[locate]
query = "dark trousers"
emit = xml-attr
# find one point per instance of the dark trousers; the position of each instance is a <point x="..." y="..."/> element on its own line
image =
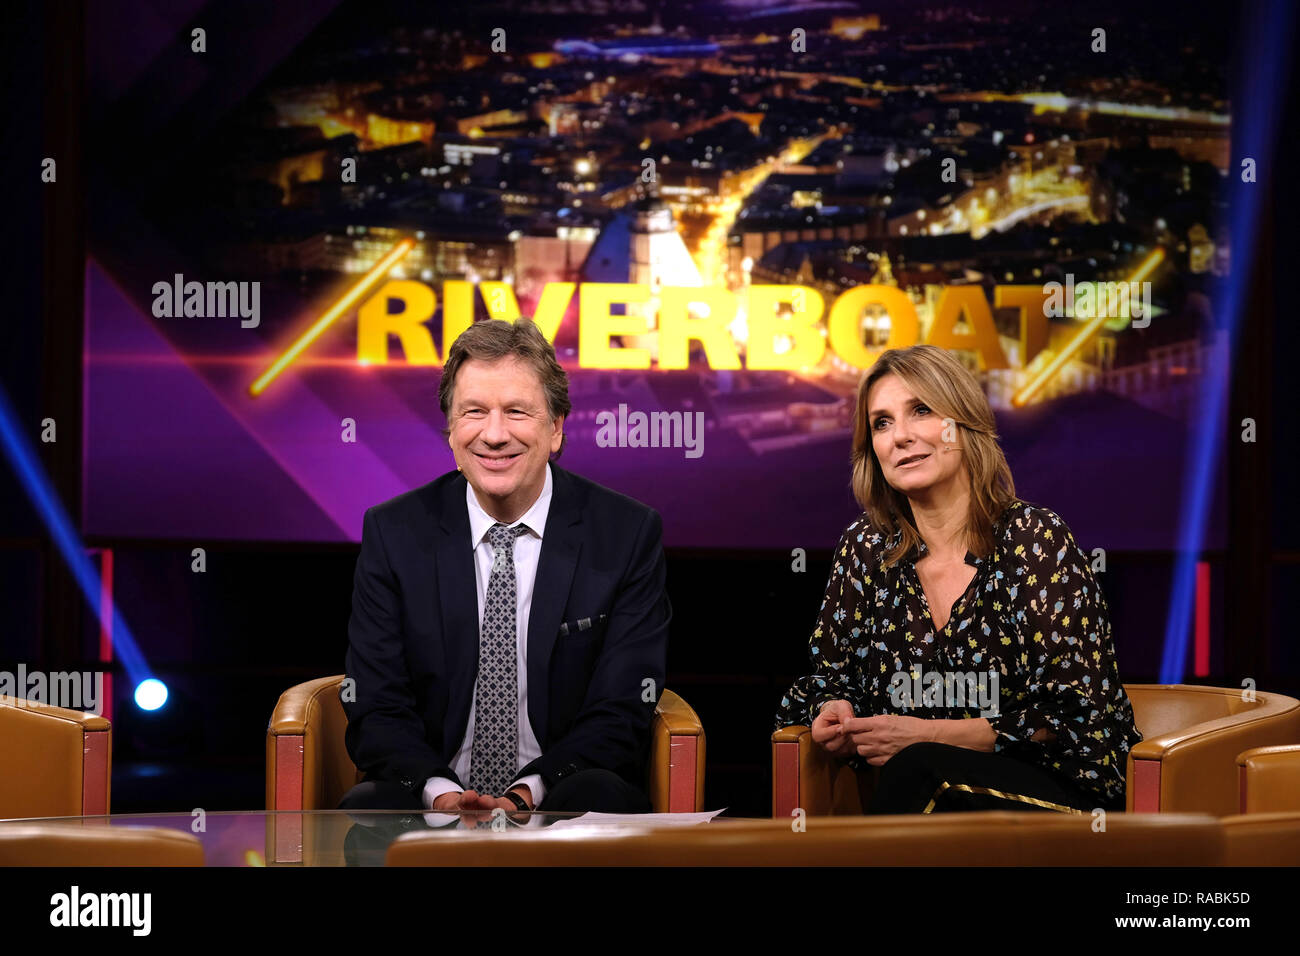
<point x="586" y="790"/>
<point x="937" y="778"/>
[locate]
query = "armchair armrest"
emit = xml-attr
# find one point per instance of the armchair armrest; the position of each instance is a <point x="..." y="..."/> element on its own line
<point x="805" y="777"/>
<point x="57" y="844"/>
<point x="676" y="757"/>
<point x="307" y="764"/>
<point x="299" y="705"/>
<point x="1270" y="779"/>
<point x="53" y="761"/>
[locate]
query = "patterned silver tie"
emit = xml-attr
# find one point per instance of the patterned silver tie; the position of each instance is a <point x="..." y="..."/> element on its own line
<point x="495" y="754"/>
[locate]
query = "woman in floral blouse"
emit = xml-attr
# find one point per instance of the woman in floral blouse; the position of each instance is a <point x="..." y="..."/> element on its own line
<point x="963" y="646"/>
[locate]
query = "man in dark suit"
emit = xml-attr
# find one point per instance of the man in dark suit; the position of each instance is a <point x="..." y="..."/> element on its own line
<point x="509" y="620"/>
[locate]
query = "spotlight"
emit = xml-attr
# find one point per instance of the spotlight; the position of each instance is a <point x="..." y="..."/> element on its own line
<point x="150" y="694"/>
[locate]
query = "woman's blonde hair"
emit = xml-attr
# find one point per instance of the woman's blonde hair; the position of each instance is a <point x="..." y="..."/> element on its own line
<point x="945" y="385"/>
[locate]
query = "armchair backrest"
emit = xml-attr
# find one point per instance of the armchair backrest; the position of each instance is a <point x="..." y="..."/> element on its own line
<point x="1165" y="708"/>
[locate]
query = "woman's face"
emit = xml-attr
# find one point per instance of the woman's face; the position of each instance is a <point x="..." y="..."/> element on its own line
<point x="909" y="441"/>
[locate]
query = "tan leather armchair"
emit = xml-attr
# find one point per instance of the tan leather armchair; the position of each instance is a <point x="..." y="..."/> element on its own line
<point x="53" y="762"/>
<point x="1191" y="737"/>
<point x="1185" y="762"/>
<point x="96" y="844"/>
<point x="308" y="767"/>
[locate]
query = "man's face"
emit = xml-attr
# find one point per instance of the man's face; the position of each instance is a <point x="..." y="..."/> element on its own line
<point x="502" y="434"/>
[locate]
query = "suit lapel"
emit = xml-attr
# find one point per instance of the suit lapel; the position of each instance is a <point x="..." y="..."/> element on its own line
<point x="561" y="543"/>
<point x="458" y="597"/>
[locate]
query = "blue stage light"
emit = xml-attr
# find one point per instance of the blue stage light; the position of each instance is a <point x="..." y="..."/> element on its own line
<point x="150" y="694"/>
<point x="17" y="449"/>
<point x="1255" y="108"/>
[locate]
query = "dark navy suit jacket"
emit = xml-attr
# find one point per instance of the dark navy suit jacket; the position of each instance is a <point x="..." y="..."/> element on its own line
<point x="597" y="634"/>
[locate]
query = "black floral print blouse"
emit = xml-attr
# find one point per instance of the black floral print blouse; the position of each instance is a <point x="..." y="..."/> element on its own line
<point x="1033" y="612"/>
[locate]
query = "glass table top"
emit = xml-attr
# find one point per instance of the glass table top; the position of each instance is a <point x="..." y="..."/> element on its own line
<point x="341" y="837"/>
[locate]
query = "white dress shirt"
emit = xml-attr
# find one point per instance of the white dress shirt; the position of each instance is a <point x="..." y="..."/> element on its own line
<point x="528" y="551"/>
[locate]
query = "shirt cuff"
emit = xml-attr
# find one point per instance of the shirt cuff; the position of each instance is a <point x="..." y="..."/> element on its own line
<point x="435" y="787"/>
<point x="536" y="788"/>
<point x="1015" y="730"/>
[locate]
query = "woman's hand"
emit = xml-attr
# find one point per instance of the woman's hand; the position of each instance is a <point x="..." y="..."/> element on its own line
<point x="879" y="738"/>
<point x="828" y="729"/>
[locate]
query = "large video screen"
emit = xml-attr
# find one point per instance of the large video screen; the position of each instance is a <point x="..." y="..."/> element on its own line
<point x="720" y="212"/>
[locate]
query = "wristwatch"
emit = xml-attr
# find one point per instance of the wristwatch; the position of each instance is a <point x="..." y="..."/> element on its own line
<point x="518" y="801"/>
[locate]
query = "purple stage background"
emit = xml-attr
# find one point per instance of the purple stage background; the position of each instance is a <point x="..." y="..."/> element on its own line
<point x="213" y="182"/>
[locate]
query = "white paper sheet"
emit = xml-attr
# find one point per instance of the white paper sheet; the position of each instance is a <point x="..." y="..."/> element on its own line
<point x="638" y="819"/>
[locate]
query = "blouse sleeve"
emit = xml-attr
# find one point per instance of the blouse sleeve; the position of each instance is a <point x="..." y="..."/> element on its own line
<point x="835" y="640"/>
<point x="1063" y="628"/>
